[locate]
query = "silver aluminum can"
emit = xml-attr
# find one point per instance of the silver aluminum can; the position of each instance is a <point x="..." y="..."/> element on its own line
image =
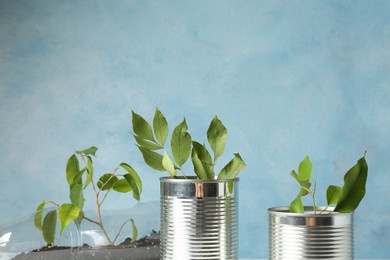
<point x="199" y="219"/>
<point x="309" y="235"/>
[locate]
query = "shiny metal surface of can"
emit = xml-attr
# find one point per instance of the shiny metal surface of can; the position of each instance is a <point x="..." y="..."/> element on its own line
<point x="199" y="219"/>
<point x="310" y="236"/>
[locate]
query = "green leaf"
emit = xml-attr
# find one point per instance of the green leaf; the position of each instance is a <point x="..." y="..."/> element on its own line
<point x="91" y="150"/>
<point x="354" y="187"/>
<point x="134" y="187"/>
<point x="134" y="175"/>
<point x="181" y="143"/>
<point x="106" y="181"/>
<point x="230" y="186"/>
<point x="135" y="231"/>
<point x="202" y="153"/>
<point x="88" y="180"/>
<point x="77" y="195"/>
<point x="296" y="205"/>
<point x="72" y="169"/>
<point x="305" y="169"/>
<point x="168" y="164"/>
<point x="160" y="127"/>
<point x="305" y="185"/>
<point x="78" y="178"/>
<point x="199" y="167"/>
<point x="295" y="175"/>
<point x="202" y="162"/>
<point x="216" y="136"/>
<point x="122" y="186"/>
<point x="67" y="213"/>
<point x="332" y="194"/>
<point x="38" y="215"/>
<point x="147" y="144"/>
<point x="153" y="159"/>
<point x="141" y="127"/>
<point x="231" y="170"/>
<point x="79" y="219"/>
<point x="49" y="227"/>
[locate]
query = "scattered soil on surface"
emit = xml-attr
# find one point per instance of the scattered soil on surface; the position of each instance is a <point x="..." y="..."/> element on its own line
<point x="145" y="248"/>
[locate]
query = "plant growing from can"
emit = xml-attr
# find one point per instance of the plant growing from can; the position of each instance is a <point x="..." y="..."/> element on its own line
<point x="346" y="198"/>
<point x="151" y="141"/>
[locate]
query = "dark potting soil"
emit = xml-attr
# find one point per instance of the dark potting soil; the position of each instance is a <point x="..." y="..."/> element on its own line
<point x="146" y="248"/>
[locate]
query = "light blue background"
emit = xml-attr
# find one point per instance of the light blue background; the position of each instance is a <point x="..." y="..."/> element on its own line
<point x="287" y="78"/>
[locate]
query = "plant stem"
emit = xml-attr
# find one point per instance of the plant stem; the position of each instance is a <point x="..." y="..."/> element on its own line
<point x="90" y="220"/>
<point x="313" y="197"/>
<point x="185" y="177"/>
<point x="104" y="198"/>
<point x="120" y="229"/>
<point x="113" y="174"/>
<point x="98" y="205"/>
<point x="100" y="222"/>
<point x="55" y="204"/>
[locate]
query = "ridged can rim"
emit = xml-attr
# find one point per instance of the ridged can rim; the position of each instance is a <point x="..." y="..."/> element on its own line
<point x="194" y="179"/>
<point x="283" y="216"/>
<point x="285" y="211"/>
<point x="195" y="188"/>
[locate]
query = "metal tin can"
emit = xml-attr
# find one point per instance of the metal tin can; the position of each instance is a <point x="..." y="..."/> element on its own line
<point x="328" y="235"/>
<point x="199" y="219"/>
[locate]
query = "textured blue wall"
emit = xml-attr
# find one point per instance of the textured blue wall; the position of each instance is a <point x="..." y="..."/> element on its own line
<point x="287" y="78"/>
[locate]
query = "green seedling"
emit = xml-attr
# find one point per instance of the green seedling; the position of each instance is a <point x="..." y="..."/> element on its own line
<point x="152" y="138"/>
<point x="78" y="180"/>
<point x="345" y="198"/>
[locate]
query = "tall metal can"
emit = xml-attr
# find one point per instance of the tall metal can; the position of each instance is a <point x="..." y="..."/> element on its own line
<point x="199" y="219"/>
<point x="328" y="235"/>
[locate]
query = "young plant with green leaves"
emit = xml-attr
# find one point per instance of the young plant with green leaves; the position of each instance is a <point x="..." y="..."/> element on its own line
<point x="152" y="138"/>
<point x="123" y="179"/>
<point x="345" y="198"/>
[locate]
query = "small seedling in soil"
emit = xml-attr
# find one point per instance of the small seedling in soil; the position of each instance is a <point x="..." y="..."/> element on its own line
<point x="151" y="142"/>
<point x="345" y="198"/>
<point x="79" y="180"/>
